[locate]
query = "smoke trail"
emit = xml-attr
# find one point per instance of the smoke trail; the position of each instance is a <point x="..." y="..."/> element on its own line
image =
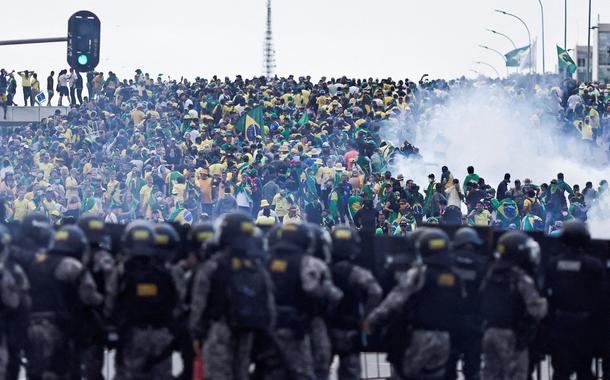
<point x="498" y="130"/>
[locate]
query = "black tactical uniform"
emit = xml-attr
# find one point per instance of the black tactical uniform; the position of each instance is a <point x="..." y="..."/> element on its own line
<point x="574" y="287"/>
<point x="361" y="293"/>
<point x="428" y="294"/>
<point x="510" y="307"/>
<point x="34" y="236"/>
<point x="321" y="350"/>
<point x="169" y="246"/>
<point x="470" y="265"/>
<point x="101" y="265"/>
<point x="144" y="299"/>
<point x="60" y="289"/>
<point x="232" y="300"/>
<point x="300" y="282"/>
<point x="11" y="294"/>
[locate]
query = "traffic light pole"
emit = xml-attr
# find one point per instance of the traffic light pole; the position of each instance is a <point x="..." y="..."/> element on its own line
<point x="33" y="41"/>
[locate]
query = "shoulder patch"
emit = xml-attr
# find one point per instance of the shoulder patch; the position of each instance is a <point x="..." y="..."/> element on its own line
<point x="446" y="280"/>
<point x="279" y="266"/>
<point x="568" y="266"/>
<point x="146" y="290"/>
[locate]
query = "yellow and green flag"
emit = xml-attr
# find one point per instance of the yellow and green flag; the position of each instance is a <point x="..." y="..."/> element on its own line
<point x="251" y="124"/>
<point x="565" y="61"/>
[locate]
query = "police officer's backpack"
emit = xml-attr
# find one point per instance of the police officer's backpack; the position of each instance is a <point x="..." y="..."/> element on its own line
<point x="247" y="295"/>
<point x="147" y="294"/>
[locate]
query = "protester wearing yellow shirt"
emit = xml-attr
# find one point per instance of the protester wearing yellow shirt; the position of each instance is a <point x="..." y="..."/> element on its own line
<point x="72" y="185"/>
<point x="179" y="190"/>
<point x="138" y="116"/>
<point x="146" y="191"/>
<point x="22" y="206"/>
<point x="281" y="204"/>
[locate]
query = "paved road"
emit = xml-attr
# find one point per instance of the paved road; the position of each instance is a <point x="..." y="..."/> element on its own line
<point x="374" y="367"/>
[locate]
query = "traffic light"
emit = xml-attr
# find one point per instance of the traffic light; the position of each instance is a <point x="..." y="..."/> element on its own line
<point x="83" y="41"/>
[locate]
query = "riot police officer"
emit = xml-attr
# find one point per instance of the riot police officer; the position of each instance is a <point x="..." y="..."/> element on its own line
<point x="321" y="350"/>
<point x="429" y="293"/>
<point x="232" y="300"/>
<point x="60" y="288"/>
<point x="470" y="264"/>
<point x="11" y="294"/>
<point x="298" y="279"/>
<point x="144" y="299"/>
<point x="574" y="289"/>
<point x="169" y="246"/>
<point x="361" y="292"/>
<point x="101" y="265"/>
<point x="510" y="308"/>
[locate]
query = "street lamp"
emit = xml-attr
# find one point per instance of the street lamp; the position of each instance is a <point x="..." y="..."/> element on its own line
<point x="529" y="36"/>
<point x="503" y="35"/>
<point x="500" y="54"/>
<point x="488" y="65"/>
<point x="542" y="15"/>
<point x="589" y="45"/>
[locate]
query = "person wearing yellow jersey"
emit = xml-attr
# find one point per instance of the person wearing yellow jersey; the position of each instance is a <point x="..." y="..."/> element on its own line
<point x="281" y="204"/>
<point x="179" y="190"/>
<point x="585" y="129"/>
<point x="35" y="88"/>
<point x="45" y="165"/>
<point x="26" y="83"/>
<point x="205" y="190"/>
<point x="49" y="204"/>
<point x="138" y="116"/>
<point x="145" y="193"/>
<point x="72" y="189"/>
<point x="293" y="216"/>
<point x="113" y="192"/>
<point x="22" y="206"/>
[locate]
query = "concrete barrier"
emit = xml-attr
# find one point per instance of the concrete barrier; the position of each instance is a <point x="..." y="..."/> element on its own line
<point x="31" y="114"/>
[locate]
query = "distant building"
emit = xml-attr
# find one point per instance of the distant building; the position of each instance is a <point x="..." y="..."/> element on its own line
<point x="601" y="53"/>
<point x="581" y="62"/>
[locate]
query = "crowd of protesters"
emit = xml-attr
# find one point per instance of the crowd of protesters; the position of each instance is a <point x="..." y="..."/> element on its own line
<point x="168" y="150"/>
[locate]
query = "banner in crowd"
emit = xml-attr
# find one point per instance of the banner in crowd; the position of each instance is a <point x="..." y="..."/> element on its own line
<point x="250" y="124"/>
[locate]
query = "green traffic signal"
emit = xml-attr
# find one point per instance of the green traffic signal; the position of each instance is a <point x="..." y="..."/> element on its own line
<point x="82" y="59"/>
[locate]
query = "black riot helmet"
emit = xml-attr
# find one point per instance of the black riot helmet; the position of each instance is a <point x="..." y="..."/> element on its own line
<point x="70" y="240"/>
<point x="575" y="234"/>
<point x="198" y="235"/>
<point x="293" y="237"/>
<point x="235" y="231"/>
<point x="139" y="239"/>
<point x="322" y="243"/>
<point x="465" y="237"/>
<point x="346" y="243"/>
<point x="519" y="249"/>
<point x="432" y="241"/>
<point x="95" y="231"/>
<point x="167" y="240"/>
<point x="35" y="231"/>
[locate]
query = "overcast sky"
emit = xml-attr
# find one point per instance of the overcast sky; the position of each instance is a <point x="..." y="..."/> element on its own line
<point x="378" y="38"/>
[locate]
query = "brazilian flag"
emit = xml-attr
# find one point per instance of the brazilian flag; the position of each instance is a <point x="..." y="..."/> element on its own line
<point x="565" y="61"/>
<point x="251" y="124"/>
<point x="514" y="58"/>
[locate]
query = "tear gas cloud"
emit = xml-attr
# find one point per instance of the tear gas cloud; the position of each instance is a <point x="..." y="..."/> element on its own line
<point x="497" y="130"/>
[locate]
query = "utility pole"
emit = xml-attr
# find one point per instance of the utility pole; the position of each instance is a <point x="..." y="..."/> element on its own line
<point x="268" y="51"/>
<point x="589" y="45"/>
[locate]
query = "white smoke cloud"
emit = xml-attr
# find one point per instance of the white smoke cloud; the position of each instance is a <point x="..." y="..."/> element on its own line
<point x="498" y="130"/>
